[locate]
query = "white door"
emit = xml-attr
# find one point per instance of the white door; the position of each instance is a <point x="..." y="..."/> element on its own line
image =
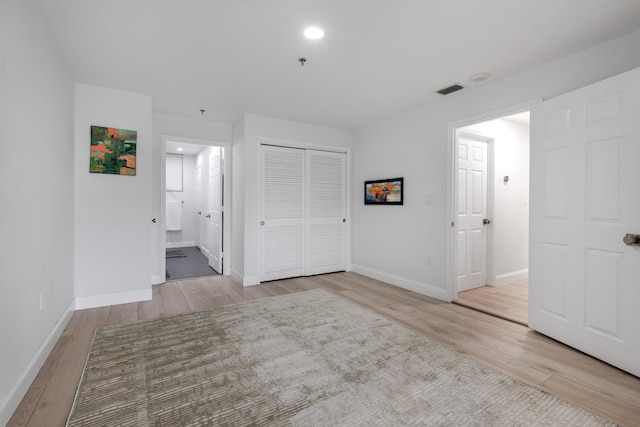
<point x="214" y="216"/>
<point x="282" y="213"/>
<point x="199" y="205"/>
<point x="472" y="211"/>
<point x="326" y="213"/>
<point x="584" y="285"/>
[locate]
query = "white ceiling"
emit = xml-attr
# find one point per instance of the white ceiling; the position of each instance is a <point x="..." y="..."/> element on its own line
<point x="378" y="58"/>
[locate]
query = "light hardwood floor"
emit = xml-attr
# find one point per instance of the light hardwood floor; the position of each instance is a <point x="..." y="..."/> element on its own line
<point x="507" y="346"/>
<point x="509" y="301"/>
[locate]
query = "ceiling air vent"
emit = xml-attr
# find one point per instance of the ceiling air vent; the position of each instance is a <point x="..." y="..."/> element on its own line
<point x="450" y="89"/>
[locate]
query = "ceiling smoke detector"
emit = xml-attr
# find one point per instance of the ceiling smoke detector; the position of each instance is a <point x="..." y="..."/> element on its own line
<point x="480" y="77"/>
<point x="447" y="90"/>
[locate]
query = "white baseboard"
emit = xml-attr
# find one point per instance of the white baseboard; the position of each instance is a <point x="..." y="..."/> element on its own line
<point x="250" y="281"/>
<point x="411" y="285"/>
<point x="188" y="244"/>
<point x="514" y="276"/>
<point x="236" y="276"/>
<point x="244" y="280"/>
<point x="94" y="301"/>
<point x="17" y="391"/>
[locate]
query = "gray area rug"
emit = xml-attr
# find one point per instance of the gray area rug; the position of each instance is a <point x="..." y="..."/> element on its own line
<point x="307" y="359"/>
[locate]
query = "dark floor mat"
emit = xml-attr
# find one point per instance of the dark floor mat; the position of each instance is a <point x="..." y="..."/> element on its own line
<point x="192" y="264"/>
<point x="175" y="253"/>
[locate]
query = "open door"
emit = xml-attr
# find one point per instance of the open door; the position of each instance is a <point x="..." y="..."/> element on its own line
<point x="585" y="170"/>
<point x="472" y="152"/>
<point x="214" y="216"/>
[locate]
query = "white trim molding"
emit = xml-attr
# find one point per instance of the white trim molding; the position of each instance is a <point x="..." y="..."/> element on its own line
<point x="244" y="280"/>
<point x="171" y="245"/>
<point x="18" y="390"/>
<point x="411" y="285"/>
<point x="93" y="301"/>
<point x="514" y="276"/>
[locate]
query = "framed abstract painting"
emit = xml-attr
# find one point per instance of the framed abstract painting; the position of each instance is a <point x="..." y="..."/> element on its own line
<point x="113" y="151"/>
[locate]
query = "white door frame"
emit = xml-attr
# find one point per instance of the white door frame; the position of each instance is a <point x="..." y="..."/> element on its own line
<point x="226" y="225"/>
<point x="451" y="290"/>
<point x="216" y="247"/>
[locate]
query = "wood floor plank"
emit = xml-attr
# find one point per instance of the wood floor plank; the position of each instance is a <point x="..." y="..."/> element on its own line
<point x="210" y="284"/>
<point x="130" y="312"/>
<point x="274" y="289"/>
<point x="71" y="326"/>
<point x="173" y="299"/>
<point x="257" y="292"/>
<point x="235" y="292"/>
<point x="509" y="301"/>
<point x="57" y="397"/>
<point x="153" y="308"/>
<point x="195" y="295"/>
<point x="607" y="406"/>
<point x="28" y="405"/>
<point x="509" y="347"/>
<point x="116" y="315"/>
<point x="582" y="369"/>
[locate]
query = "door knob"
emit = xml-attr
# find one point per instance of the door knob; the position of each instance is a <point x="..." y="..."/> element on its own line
<point x="208" y="215"/>
<point x="154" y="220"/>
<point x="631" y="239"/>
<point x="261" y="222"/>
<point x="486" y="221"/>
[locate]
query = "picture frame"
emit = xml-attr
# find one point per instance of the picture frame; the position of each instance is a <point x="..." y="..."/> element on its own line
<point x="384" y="192"/>
<point x="113" y="151"/>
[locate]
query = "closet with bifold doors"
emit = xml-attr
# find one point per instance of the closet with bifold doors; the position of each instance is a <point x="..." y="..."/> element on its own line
<point x="302" y="212"/>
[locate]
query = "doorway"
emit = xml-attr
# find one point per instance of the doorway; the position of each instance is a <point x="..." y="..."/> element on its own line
<point x="194" y="235"/>
<point x="492" y="221"/>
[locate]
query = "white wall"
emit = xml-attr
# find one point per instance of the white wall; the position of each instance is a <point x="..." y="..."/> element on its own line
<point x="36" y="186"/>
<point x="256" y="127"/>
<point x="187" y="128"/>
<point x="414" y="145"/>
<point x="508" y="245"/>
<point x="112" y="212"/>
<point x="185" y="236"/>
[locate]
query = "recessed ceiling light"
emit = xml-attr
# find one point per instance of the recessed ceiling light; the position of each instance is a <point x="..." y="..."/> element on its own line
<point x="314" y="33"/>
<point x="480" y="77"/>
<point x="179" y="148"/>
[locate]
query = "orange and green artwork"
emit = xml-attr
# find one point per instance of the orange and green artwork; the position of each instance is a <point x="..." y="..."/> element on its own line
<point x="384" y="192"/>
<point x="113" y="151"/>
